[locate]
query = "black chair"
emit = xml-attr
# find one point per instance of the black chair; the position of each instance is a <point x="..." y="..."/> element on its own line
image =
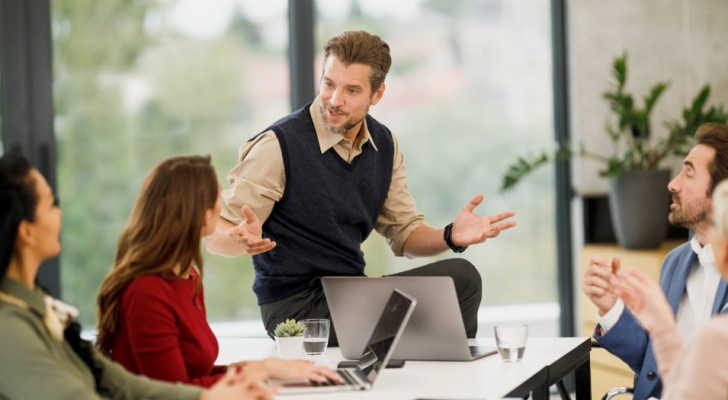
<point x="615" y="391"/>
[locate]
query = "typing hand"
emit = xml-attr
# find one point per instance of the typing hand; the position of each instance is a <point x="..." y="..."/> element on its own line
<point x="235" y="385"/>
<point x="277" y="368"/>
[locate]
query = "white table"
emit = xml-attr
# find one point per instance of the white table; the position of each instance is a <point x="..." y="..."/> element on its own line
<point x="546" y="361"/>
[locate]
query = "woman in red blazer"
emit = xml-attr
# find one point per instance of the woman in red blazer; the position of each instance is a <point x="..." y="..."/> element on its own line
<point x="151" y="306"/>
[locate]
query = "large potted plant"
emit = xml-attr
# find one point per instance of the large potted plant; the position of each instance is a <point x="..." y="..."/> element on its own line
<point x="638" y="196"/>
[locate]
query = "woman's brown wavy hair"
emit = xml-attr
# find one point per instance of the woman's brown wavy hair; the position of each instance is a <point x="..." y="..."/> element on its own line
<point x="164" y="230"/>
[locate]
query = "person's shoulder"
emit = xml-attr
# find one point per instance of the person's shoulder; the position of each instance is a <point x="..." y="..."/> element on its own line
<point x="373" y="122"/>
<point x="679" y="252"/>
<point x="681" y="249"/>
<point x="145" y="287"/>
<point x="147" y="280"/>
<point x="13" y="312"/>
<point x="380" y="133"/>
<point x="18" y="326"/>
<point x="302" y="115"/>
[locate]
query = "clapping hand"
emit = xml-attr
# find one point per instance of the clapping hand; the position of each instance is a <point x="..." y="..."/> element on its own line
<point x="644" y="298"/>
<point x="596" y="283"/>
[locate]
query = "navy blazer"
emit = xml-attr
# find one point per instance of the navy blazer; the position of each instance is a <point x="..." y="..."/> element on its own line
<point x="631" y="343"/>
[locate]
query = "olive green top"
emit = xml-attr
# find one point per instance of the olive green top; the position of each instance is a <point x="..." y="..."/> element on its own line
<point x="34" y="365"/>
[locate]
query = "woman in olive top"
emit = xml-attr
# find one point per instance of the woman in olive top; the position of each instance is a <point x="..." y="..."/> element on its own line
<point x="41" y="353"/>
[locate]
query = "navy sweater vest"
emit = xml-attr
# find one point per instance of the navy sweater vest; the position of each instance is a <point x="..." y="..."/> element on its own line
<point x="328" y="208"/>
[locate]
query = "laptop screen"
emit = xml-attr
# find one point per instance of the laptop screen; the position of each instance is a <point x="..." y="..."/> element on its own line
<point x="388" y="329"/>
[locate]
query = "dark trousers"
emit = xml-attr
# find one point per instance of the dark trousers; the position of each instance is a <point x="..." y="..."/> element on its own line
<point x="311" y="303"/>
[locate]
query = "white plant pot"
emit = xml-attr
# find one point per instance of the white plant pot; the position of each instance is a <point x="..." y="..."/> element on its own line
<point x="289" y="347"/>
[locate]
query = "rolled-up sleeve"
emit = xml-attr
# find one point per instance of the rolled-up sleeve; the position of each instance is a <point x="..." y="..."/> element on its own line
<point x="399" y="216"/>
<point x="258" y="179"/>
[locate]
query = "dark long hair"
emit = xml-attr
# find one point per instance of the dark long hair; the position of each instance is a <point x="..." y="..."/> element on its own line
<point x="18" y="200"/>
<point x="164" y="230"/>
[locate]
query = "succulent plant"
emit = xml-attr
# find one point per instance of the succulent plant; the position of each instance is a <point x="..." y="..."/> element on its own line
<point x="289" y="328"/>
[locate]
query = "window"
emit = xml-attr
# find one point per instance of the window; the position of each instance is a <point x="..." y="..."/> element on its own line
<point x="138" y="82"/>
<point x="470" y="86"/>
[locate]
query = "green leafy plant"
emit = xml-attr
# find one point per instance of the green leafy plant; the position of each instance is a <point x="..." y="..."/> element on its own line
<point x="629" y="130"/>
<point x="289" y="328"/>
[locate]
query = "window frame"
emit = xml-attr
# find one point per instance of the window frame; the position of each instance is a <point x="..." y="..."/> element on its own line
<point x="27" y="98"/>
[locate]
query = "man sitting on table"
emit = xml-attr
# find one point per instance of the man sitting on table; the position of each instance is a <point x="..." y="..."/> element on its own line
<point x="308" y="190"/>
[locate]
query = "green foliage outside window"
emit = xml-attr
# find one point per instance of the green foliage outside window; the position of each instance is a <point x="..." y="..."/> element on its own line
<point x="131" y="89"/>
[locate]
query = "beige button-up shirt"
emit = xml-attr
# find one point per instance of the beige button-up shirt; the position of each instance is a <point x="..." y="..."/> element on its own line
<point x="258" y="180"/>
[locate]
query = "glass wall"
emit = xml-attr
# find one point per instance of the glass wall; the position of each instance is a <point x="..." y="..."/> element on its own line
<point x="469" y="89"/>
<point x="136" y="82"/>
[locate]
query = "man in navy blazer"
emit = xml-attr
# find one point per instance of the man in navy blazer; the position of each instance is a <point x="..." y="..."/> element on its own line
<point x="689" y="279"/>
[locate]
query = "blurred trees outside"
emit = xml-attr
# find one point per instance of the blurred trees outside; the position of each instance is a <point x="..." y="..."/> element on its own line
<point x="132" y="88"/>
<point x="470" y="83"/>
<point x="126" y="98"/>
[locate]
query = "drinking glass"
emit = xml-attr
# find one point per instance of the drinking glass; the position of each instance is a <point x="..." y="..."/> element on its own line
<point x="511" y="340"/>
<point x="315" y="336"/>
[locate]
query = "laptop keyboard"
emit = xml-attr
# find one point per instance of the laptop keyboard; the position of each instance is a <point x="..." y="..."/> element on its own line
<point x="344" y="374"/>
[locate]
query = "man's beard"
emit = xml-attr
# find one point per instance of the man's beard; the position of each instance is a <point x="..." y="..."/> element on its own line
<point x="687" y="218"/>
<point x="339" y="131"/>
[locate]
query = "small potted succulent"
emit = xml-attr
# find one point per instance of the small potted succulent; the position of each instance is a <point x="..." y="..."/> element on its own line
<point x="289" y="338"/>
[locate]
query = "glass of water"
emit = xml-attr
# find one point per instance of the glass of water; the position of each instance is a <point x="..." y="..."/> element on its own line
<point x="315" y="336"/>
<point x="511" y="340"/>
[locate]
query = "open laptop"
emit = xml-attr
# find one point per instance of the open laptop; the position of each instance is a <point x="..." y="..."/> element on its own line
<point x="435" y="332"/>
<point x="385" y="334"/>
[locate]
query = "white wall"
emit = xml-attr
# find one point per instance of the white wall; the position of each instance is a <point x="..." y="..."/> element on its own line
<point x="683" y="41"/>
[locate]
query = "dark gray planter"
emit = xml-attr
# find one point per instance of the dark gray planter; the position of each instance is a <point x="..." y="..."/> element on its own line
<point x="639" y="203"/>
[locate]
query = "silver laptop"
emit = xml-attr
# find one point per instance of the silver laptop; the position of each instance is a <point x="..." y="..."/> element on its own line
<point x="435" y="332"/>
<point x="385" y="334"/>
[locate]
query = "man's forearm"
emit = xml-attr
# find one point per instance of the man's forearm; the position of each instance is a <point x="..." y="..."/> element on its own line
<point x="425" y="241"/>
<point x="221" y="243"/>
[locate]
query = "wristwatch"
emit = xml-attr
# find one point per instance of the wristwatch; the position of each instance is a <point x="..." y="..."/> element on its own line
<point x="448" y="240"/>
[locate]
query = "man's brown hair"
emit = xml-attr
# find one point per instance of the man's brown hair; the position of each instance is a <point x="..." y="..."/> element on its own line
<point x="360" y="47"/>
<point x="715" y="135"/>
